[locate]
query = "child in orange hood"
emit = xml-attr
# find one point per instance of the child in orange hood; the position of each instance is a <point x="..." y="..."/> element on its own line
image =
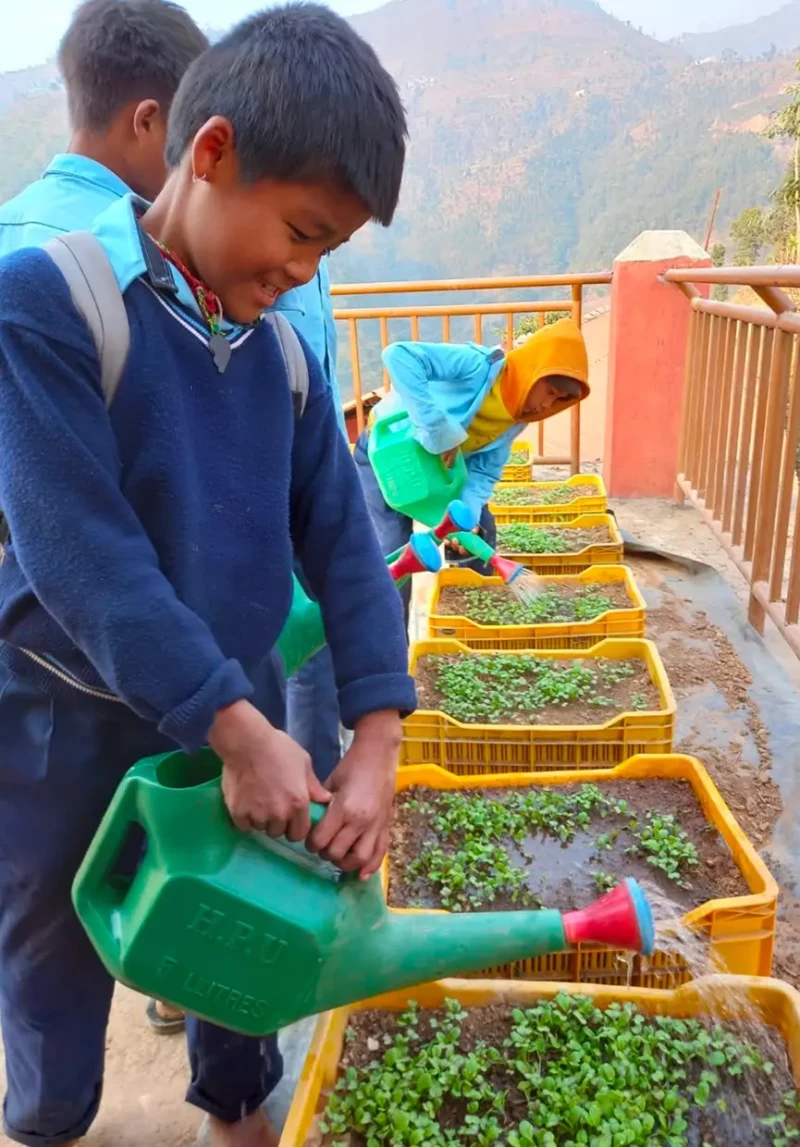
<point x="478" y="400"/>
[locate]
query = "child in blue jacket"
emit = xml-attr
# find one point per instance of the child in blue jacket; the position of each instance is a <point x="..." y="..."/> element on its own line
<point x="461" y="396"/>
<point x="149" y="570"/>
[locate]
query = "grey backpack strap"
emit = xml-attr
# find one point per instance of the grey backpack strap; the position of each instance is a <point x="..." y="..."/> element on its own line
<point x="295" y="356"/>
<point x="95" y="292"/>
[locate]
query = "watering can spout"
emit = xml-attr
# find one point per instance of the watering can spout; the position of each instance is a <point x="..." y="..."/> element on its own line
<point x="429" y="947"/>
<point x="506" y="569"/>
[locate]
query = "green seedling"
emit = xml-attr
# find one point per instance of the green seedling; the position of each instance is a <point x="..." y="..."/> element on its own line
<point x="503" y="607"/>
<point x="500" y="687"/>
<point x="566" y="1074"/>
<point x="478" y="852"/>
<point x="560" y="495"/>
<point x="520" y="538"/>
<point x="667" y="847"/>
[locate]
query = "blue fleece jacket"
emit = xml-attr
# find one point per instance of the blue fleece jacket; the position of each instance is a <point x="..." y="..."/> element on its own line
<point x="151" y="553"/>
<point x="441" y="387"/>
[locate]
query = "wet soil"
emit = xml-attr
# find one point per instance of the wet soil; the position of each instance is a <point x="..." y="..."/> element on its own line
<point x="636" y="692"/>
<point x="457" y="601"/>
<point x="560" y="875"/>
<point x="747" y="1100"/>
<point x="577" y="540"/>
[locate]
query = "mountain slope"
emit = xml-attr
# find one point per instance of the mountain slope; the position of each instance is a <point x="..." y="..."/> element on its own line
<point x="778" y="31"/>
<point x="548" y="133"/>
<point x="545" y="134"/>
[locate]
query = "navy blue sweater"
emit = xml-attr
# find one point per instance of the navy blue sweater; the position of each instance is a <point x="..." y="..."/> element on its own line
<point x="152" y="544"/>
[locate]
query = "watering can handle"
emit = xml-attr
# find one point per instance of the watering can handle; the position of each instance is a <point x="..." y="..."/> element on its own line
<point x="95" y="897"/>
<point x="316" y="812"/>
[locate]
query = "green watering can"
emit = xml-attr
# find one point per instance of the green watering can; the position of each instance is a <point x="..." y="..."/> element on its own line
<point x="253" y="933"/>
<point x="412" y="481"/>
<point x="303" y="634"/>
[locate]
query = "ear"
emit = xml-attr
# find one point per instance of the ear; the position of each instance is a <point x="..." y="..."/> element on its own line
<point x="214" y="150"/>
<point x="146" y="118"/>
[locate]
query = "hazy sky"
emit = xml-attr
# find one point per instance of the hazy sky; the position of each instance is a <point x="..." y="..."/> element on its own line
<point x="31" y="28"/>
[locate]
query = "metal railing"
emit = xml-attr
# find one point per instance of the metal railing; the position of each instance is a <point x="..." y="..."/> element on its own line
<point x="447" y="316"/>
<point x="740" y="433"/>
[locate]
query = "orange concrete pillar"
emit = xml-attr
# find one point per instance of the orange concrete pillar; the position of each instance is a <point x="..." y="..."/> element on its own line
<point x="647" y="351"/>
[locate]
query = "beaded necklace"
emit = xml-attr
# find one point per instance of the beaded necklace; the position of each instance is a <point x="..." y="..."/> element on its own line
<point x="210" y="308"/>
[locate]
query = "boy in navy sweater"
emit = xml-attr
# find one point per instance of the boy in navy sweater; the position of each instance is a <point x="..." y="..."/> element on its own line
<point x="149" y="570"/>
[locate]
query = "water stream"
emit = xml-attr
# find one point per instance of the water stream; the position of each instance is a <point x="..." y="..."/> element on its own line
<point x="527" y="586"/>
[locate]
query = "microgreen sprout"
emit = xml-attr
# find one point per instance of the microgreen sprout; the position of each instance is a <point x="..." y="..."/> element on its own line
<point x="502" y="607"/>
<point x="499" y="687"/>
<point x="562" y="1073"/>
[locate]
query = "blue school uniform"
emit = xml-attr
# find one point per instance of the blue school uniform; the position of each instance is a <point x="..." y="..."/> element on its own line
<point x="148" y="577"/>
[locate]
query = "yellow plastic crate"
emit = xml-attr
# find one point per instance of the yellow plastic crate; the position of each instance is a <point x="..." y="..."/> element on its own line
<point x="432" y="737"/>
<point x="740" y="929"/>
<point x="601" y="554"/>
<point x="722" y="997"/>
<point x="513" y="472"/>
<point x="551" y="635"/>
<point x="542" y="514"/>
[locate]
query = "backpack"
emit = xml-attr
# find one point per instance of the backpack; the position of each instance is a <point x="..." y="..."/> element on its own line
<point x="82" y="261"/>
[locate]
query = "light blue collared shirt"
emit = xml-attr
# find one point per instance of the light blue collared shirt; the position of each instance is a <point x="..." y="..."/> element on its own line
<point x="70" y="195"/>
<point x="310" y="311"/>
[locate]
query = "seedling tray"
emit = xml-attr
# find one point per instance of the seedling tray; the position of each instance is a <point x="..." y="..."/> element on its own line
<point x="724" y="998"/>
<point x="518" y="471"/>
<point x="433" y="737"/>
<point x="596" y="554"/>
<point x="540" y="511"/>
<point x="548" y="635"/>
<point x="740" y="930"/>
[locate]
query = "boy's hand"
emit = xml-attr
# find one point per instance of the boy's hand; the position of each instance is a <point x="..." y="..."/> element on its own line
<point x="354" y="833"/>
<point x="457" y="548"/>
<point x="449" y="457"/>
<point x="267" y="781"/>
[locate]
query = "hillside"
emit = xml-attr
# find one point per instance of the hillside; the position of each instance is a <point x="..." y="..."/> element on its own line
<point x="543" y="137"/>
<point x="549" y="133"/>
<point x="778" y="31"/>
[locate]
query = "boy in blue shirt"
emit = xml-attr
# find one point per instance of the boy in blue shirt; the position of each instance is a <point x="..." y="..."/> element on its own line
<point x="149" y="570"/>
<point x="121" y="61"/>
<point x="461" y="396"/>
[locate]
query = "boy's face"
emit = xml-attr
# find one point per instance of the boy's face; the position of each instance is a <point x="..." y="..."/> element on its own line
<point x="252" y="242"/>
<point x="542" y="398"/>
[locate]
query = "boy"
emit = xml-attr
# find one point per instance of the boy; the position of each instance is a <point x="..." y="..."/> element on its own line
<point x="121" y="61"/>
<point x="468" y="397"/>
<point x="149" y="570"/>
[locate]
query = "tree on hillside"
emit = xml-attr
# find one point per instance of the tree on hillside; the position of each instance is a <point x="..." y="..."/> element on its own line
<point x="717" y="253"/>
<point x="786" y="125"/>
<point x="747" y="233"/>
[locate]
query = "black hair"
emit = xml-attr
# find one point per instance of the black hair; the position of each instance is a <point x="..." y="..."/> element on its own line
<point x="568" y="388"/>
<point x="118" y="51"/>
<point x="307" y="99"/>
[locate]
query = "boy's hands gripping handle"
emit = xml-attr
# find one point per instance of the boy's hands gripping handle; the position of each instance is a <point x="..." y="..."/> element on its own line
<point x="267" y="779"/>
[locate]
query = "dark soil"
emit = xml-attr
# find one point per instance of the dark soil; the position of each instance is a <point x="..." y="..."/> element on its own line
<point x="747" y="1101"/>
<point x="539" y="497"/>
<point x="560" y="874"/>
<point x="579" y="712"/>
<point x="454" y="600"/>
<point x="576" y="539"/>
